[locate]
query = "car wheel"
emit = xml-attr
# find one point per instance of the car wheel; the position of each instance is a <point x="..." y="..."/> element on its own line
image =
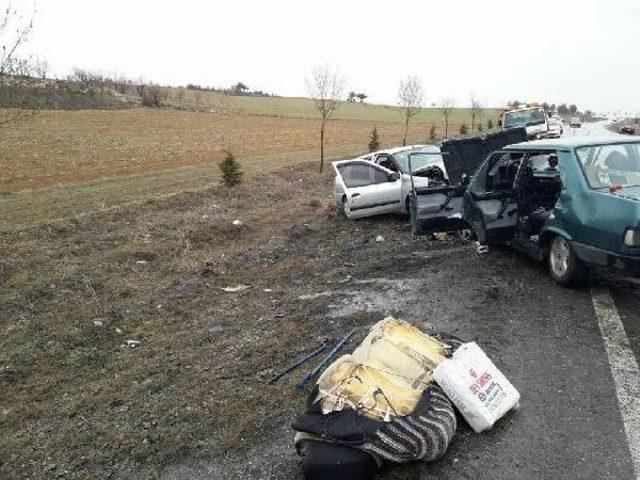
<point x="565" y="267"/>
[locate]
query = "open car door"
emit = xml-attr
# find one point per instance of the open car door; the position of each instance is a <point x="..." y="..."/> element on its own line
<point x="438" y="206"/>
<point x="368" y="189"/>
<point x="490" y="202"/>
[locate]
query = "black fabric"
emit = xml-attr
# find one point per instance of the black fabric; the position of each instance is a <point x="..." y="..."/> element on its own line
<point x="328" y="461"/>
<point x="347" y="426"/>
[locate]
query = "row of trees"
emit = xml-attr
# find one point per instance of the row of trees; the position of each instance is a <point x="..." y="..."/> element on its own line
<point x="561" y="109"/>
<point x="325" y="86"/>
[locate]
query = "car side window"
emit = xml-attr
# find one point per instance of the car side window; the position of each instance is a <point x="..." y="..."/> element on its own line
<point x="379" y="177"/>
<point x="360" y="175"/>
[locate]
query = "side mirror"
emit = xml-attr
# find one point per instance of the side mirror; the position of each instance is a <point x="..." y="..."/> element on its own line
<point x="394" y="176"/>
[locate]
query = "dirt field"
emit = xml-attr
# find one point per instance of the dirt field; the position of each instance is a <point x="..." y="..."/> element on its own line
<point x="59" y="147"/>
<point x="63" y="164"/>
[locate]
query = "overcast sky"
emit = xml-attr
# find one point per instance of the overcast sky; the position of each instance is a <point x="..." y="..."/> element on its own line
<point x="574" y="51"/>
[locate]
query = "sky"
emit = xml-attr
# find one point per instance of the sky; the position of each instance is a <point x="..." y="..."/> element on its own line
<point x="582" y="52"/>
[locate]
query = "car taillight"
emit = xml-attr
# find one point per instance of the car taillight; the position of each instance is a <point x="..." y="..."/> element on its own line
<point x="632" y="238"/>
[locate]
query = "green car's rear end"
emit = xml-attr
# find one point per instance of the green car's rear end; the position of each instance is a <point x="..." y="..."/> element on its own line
<point x="602" y="216"/>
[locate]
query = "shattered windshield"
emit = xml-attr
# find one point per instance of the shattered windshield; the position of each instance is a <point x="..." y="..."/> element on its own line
<point x="420" y="158"/>
<point x="604" y="165"/>
<point x="523" y="118"/>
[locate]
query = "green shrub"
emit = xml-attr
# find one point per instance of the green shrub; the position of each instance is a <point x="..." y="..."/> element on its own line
<point x="231" y="173"/>
<point x="463" y="129"/>
<point x="432" y="134"/>
<point x="490" y="124"/>
<point x="374" y="140"/>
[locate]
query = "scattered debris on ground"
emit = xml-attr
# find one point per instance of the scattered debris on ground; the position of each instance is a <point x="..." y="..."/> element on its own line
<point x="391" y="400"/>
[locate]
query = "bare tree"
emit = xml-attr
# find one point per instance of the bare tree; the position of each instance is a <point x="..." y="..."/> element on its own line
<point x="15" y="29"/>
<point x="476" y="111"/>
<point x="410" y="100"/>
<point x="325" y="86"/>
<point x="447" y="104"/>
<point x="179" y="94"/>
<point x="14" y="32"/>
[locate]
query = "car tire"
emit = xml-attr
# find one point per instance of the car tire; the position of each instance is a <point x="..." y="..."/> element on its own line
<point x="565" y="267"/>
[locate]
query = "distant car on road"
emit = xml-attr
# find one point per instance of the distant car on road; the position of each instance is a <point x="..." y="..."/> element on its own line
<point x="572" y="202"/>
<point x="627" y="129"/>
<point x="575" y="122"/>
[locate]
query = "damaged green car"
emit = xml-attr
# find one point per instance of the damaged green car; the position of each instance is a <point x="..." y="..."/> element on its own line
<point x="572" y="202"/>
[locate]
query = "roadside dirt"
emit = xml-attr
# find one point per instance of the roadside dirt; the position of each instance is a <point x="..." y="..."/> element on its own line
<point x="77" y="401"/>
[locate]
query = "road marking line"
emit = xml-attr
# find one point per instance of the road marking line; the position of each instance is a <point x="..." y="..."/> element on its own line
<point x="624" y="368"/>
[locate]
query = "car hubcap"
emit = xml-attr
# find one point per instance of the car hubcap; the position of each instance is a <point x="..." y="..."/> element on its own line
<point x="559" y="256"/>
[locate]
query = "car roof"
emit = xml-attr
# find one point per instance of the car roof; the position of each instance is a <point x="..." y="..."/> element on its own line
<point x="569" y="143"/>
<point x="396" y="149"/>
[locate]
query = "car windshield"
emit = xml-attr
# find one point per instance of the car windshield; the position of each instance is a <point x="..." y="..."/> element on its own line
<point x="523" y="118"/>
<point x="605" y="165"/>
<point x="420" y="158"/>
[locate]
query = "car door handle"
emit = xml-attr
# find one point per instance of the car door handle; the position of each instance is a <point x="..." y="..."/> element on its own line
<point x="355" y="195"/>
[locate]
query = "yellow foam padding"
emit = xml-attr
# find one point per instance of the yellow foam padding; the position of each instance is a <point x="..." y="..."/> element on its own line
<point x="387" y="373"/>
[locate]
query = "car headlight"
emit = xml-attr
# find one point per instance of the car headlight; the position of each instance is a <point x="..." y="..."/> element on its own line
<point x="632" y="238"/>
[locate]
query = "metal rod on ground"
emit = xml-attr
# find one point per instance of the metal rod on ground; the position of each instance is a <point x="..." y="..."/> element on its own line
<point x="296" y="364"/>
<point x="300" y="385"/>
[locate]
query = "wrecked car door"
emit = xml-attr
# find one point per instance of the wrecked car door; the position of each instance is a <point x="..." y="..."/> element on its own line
<point x="367" y="189"/>
<point x="490" y="202"/>
<point x="438" y="206"/>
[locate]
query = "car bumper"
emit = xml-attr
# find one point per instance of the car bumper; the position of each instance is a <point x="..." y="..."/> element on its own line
<point x="604" y="258"/>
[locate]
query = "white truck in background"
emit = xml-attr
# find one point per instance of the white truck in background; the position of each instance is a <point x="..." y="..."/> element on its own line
<point x="532" y="117"/>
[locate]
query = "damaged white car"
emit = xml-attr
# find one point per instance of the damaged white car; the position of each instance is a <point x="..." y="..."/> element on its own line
<point x="381" y="182"/>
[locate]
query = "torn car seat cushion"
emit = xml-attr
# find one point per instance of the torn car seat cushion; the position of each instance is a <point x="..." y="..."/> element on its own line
<point x="381" y="398"/>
